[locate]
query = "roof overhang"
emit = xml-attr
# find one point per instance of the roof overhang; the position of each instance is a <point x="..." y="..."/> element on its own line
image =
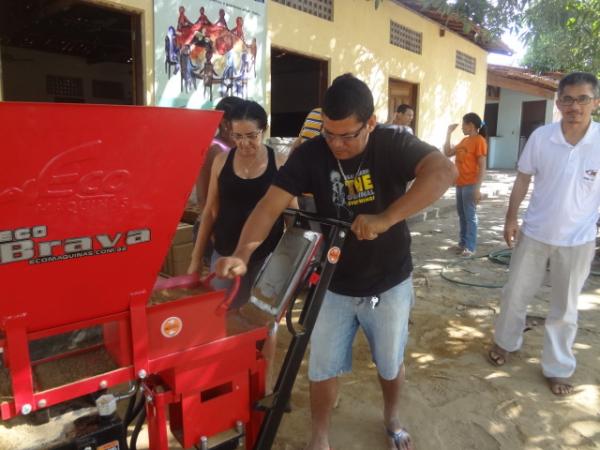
<point x="523" y="80"/>
<point x="468" y="30"/>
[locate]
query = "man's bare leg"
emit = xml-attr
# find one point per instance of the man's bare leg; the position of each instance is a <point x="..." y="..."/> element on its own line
<point x="391" y="409"/>
<point x="323" y="395"/>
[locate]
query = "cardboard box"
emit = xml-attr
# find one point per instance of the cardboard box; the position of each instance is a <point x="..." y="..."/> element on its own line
<point x="180" y="253"/>
<point x="190" y="215"/>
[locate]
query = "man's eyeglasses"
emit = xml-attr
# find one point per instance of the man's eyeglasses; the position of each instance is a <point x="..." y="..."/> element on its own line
<point x="581" y="100"/>
<point x="343" y="137"/>
<point x="248" y="136"/>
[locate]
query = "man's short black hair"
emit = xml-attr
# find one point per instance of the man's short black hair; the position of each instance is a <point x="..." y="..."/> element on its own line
<point x="577" y="78"/>
<point x="403" y="107"/>
<point x="348" y="96"/>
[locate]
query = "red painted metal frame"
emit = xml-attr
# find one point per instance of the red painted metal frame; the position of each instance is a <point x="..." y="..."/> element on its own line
<point x="87" y="176"/>
<point x="180" y="388"/>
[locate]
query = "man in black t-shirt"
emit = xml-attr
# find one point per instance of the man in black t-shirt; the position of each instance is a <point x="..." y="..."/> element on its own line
<point x="356" y="170"/>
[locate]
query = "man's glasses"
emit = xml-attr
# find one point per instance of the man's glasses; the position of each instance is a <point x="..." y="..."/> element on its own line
<point x="581" y="100"/>
<point x="248" y="136"/>
<point x="343" y="137"/>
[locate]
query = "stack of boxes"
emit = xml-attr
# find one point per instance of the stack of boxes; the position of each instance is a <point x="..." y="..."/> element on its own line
<point x="180" y="254"/>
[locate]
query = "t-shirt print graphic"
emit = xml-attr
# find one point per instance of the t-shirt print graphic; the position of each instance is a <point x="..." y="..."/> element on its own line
<point x="360" y="188"/>
<point x="338" y="195"/>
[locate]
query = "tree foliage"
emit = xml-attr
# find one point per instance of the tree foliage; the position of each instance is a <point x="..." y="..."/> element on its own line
<point x="563" y="35"/>
<point x="560" y="35"/>
<point x="495" y="17"/>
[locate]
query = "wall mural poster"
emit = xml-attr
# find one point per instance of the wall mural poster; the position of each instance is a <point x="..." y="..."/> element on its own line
<point x="209" y="49"/>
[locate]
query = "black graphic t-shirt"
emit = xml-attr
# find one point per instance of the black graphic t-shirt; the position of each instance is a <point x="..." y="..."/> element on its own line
<point x="365" y="184"/>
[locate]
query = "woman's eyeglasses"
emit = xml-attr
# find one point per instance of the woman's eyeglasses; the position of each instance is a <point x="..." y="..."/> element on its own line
<point x="248" y="136"/>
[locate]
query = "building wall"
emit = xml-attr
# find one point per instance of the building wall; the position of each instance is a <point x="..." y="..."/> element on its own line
<point x="28" y="83"/>
<point x="505" y="147"/>
<point x="357" y="41"/>
<point x="146" y="10"/>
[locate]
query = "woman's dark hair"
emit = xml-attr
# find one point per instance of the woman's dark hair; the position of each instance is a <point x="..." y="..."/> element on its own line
<point x="250" y="110"/>
<point x="227" y="105"/>
<point x="348" y="96"/>
<point x="477" y="122"/>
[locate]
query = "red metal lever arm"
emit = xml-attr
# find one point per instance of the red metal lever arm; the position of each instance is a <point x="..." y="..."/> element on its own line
<point x="183" y="281"/>
<point x="192" y="280"/>
<point x="233" y="290"/>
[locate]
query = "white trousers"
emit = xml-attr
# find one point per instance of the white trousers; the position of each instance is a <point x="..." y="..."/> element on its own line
<point x="569" y="268"/>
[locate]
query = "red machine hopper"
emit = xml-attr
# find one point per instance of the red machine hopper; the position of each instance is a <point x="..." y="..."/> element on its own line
<point x="90" y="197"/>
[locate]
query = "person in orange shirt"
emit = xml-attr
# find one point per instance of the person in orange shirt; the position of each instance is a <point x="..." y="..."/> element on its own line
<point x="470" y="156"/>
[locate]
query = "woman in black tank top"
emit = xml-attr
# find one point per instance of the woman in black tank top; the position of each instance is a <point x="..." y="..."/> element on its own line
<point x="238" y="181"/>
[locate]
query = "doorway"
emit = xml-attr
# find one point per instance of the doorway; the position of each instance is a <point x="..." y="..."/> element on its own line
<point x="402" y="92"/>
<point x="533" y="116"/>
<point x="490" y="117"/>
<point x="70" y="51"/>
<point x="298" y="84"/>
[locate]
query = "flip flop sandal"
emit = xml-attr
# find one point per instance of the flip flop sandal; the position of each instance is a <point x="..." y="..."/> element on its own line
<point x="496" y="358"/>
<point x="399" y="437"/>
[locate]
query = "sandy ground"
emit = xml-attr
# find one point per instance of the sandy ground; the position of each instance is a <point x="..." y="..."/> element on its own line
<point x="453" y="399"/>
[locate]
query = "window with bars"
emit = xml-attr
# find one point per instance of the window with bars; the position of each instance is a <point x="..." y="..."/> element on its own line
<point x="465" y="62"/>
<point x="406" y="38"/>
<point x="319" y="8"/>
<point x="64" y="86"/>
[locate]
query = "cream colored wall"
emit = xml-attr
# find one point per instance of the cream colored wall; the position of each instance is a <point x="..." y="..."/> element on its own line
<point x="357" y="41"/>
<point x="146" y="9"/>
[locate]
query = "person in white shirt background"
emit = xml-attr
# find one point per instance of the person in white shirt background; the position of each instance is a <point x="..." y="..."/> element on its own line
<point x="559" y="226"/>
<point x="403" y="117"/>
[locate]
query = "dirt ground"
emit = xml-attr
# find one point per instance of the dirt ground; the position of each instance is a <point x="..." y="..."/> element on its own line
<point x="453" y="398"/>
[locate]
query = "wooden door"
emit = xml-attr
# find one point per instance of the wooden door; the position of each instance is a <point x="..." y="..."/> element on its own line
<point x="402" y="92"/>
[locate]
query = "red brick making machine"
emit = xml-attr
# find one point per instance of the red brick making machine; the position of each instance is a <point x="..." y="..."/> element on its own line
<point x="90" y="197"/>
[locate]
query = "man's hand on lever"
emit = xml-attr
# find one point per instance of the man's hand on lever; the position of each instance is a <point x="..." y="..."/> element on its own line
<point x="230" y="267"/>
<point x="369" y="226"/>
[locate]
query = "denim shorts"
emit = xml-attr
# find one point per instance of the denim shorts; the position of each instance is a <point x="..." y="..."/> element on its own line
<point x="385" y="326"/>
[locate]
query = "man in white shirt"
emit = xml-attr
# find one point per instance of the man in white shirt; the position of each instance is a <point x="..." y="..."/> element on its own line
<point x="559" y="226"/>
<point x="403" y="117"/>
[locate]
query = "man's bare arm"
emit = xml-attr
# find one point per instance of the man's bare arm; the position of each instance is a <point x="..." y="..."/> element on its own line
<point x="434" y="174"/>
<point x="519" y="191"/>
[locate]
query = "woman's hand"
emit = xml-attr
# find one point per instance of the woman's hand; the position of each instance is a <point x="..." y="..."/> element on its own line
<point x="452" y="127"/>
<point x="476" y="196"/>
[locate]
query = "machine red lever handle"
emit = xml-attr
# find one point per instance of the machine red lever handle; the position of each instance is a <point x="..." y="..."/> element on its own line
<point x="231" y="293"/>
<point x="192" y="280"/>
<point x="182" y="281"/>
